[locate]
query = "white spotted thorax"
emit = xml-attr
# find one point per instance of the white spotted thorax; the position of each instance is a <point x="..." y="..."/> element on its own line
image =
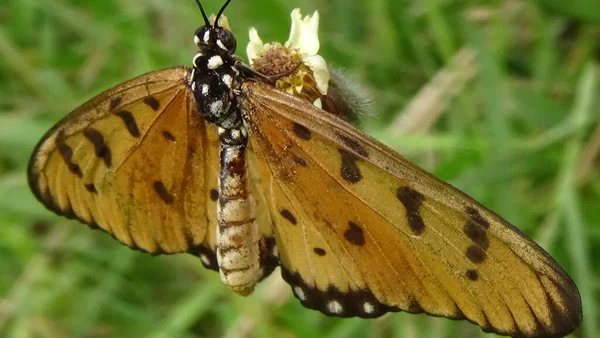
<point x="303" y="41"/>
<point x="214" y="74"/>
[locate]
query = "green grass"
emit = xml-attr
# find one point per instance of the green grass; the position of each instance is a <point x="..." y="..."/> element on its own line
<point x="522" y="137"/>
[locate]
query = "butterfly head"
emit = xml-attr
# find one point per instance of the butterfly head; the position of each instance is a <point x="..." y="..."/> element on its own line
<point x="215" y="39"/>
<point x="214" y="36"/>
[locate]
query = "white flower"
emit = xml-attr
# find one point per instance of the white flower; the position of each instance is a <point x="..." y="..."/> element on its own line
<point x="304" y="34"/>
<point x="256" y="46"/>
<point x="304" y="39"/>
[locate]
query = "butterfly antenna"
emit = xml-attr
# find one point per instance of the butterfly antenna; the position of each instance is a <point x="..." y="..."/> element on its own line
<point x="206" y="21"/>
<point x="221" y="12"/>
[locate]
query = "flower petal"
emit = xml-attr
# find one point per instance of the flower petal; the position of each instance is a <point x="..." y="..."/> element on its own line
<point x="255" y="46"/>
<point x="296" y="30"/>
<point x="318" y="103"/>
<point x="321" y="74"/>
<point x="309" y="44"/>
<point x="304" y="34"/>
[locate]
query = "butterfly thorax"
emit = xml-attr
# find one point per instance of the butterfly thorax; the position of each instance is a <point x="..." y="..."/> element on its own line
<point x="215" y="77"/>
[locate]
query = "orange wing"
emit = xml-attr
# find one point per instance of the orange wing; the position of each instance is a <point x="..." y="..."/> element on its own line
<point x="362" y="231"/>
<point x="139" y="162"/>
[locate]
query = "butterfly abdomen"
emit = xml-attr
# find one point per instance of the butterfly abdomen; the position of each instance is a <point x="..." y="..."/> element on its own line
<point x="238" y="247"/>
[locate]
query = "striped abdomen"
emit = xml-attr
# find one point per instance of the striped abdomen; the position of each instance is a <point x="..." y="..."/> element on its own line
<point x="238" y="247"/>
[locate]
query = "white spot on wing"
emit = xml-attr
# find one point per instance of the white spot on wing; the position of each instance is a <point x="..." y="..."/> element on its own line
<point x="368" y="308"/>
<point x="205" y="89"/>
<point x="299" y="293"/>
<point x="215" y="62"/>
<point x="335" y="307"/>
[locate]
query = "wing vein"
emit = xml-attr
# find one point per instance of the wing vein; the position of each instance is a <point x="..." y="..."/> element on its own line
<point x="281" y="161"/>
<point x="143" y="137"/>
<point x="304" y="224"/>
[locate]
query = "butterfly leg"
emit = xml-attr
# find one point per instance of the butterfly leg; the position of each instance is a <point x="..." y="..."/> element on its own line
<point x="264" y="78"/>
<point x="238" y="237"/>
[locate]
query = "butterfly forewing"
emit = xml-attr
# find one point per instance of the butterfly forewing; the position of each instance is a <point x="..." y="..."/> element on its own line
<point x="136" y="161"/>
<point x="362" y="231"/>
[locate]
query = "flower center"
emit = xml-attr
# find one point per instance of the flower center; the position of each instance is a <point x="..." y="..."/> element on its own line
<point x="277" y="60"/>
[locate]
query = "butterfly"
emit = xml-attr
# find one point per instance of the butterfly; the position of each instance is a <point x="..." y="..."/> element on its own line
<point x="251" y="167"/>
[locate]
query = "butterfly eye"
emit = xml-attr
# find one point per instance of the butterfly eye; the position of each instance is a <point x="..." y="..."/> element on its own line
<point x="226" y="40"/>
<point x="202" y="36"/>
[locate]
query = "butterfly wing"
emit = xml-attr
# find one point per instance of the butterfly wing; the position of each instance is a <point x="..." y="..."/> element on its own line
<point x="139" y="162"/>
<point x="362" y="231"/>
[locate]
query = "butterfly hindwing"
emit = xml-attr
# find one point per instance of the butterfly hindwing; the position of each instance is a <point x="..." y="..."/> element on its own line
<point x="362" y="231"/>
<point x="136" y="161"/>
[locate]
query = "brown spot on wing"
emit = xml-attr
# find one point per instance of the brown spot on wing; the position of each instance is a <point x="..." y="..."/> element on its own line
<point x="354" y="234"/>
<point x="412" y="200"/>
<point x="129" y="122"/>
<point x="152" y="102"/>
<point x="64" y="150"/>
<point x="319" y="251"/>
<point x="349" y="168"/>
<point x="66" y="153"/>
<point x="162" y="192"/>
<point x="100" y="148"/>
<point x="414" y="307"/>
<point x="214" y="195"/>
<point x="476" y="227"/>
<point x="167" y="135"/>
<point x="91" y="188"/>
<point x="299" y="160"/>
<point x="354" y="145"/>
<point x="115" y="102"/>
<point x="472" y="275"/>
<point x="475" y="254"/>
<point x="74" y="169"/>
<point x="288" y="215"/>
<point x="301" y="131"/>
<point x="477" y="218"/>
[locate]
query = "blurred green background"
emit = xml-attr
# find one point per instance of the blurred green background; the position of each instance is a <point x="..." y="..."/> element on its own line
<point x="514" y="121"/>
